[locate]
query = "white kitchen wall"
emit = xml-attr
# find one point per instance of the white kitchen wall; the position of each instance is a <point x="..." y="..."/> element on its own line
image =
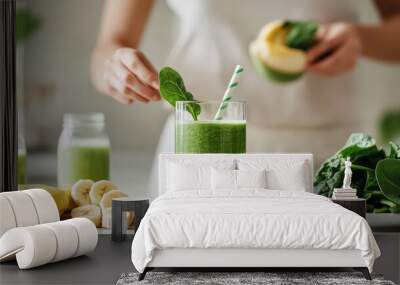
<point x="57" y="78"/>
<point x="57" y="60"/>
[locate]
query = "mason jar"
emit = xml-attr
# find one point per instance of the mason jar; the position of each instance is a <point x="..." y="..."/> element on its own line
<point x="198" y="129"/>
<point x="83" y="149"/>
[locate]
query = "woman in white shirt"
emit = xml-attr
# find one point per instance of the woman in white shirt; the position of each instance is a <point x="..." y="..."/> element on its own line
<point x="313" y="114"/>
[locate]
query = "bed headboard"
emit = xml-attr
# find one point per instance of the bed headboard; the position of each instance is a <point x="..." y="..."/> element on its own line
<point x="270" y="158"/>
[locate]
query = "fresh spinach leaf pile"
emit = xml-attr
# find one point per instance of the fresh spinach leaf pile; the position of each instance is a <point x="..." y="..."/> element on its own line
<point x="376" y="174"/>
<point x="172" y="89"/>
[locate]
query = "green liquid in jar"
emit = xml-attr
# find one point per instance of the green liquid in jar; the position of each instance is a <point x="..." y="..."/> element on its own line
<point x="21" y="168"/>
<point x="83" y="162"/>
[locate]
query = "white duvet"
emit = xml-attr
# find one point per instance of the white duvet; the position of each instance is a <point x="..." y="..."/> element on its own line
<point x="250" y="219"/>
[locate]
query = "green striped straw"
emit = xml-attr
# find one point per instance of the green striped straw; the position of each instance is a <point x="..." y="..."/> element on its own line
<point x="233" y="83"/>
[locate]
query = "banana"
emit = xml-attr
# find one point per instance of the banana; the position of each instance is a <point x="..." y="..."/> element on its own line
<point x="99" y="188"/>
<point x="80" y="192"/>
<point x="106" y="203"/>
<point x="66" y="216"/>
<point x="130" y="217"/>
<point x="61" y="196"/>
<point x="91" y="212"/>
<point x="276" y="54"/>
<point x="106" y="218"/>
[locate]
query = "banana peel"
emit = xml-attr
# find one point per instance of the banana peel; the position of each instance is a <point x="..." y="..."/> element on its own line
<point x="61" y="196"/>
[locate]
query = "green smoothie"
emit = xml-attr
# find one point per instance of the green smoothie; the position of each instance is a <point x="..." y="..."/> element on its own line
<point x="83" y="162"/>
<point x="21" y="168"/>
<point x="210" y="137"/>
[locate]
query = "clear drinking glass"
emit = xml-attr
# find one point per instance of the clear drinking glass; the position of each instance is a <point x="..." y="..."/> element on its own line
<point x="83" y="149"/>
<point x="206" y="134"/>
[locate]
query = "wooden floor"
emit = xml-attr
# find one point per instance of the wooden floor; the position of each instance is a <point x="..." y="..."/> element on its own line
<point x="103" y="266"/>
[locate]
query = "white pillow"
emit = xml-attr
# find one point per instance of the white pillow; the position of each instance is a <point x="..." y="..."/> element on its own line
<point x="181" y="178"/>
<point x="251" y="178"/>
<point x="193" y="173"/>
<point x="282" y="174"/>
<point x="223" y="179"/>
<point x="237" y="179"/>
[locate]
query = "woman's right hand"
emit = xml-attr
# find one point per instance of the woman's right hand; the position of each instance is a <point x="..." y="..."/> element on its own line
<point x="131" y="77"/>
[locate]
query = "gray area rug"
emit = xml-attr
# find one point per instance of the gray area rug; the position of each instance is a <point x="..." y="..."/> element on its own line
<point x="269" y="278"/>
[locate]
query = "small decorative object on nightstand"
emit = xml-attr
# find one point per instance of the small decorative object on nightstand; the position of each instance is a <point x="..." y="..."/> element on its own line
<point x="347" y="196"/>
<point x="357" y="205"/>
<point x="119" y="207"/>
<point x="346" y="192"/>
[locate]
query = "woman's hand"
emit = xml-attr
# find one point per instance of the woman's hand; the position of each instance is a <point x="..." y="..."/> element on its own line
<point x="131" y="77"/>
<point x="337" y="50"/>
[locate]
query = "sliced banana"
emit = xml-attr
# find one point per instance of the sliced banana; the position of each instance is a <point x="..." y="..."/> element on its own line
<point x="99" y="188"/>
<point x="106" y="201"/>
<point x="91" y="212"/>
<point x="106" y="218"/>
<point x="80" y="192"/>
<point x="130" y="217"/>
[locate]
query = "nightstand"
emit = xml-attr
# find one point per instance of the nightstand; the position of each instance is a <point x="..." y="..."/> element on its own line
<point x="119" y="207"/>
<point x="358" y="205"/>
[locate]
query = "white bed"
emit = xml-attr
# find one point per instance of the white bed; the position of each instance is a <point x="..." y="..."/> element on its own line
<point x="194" y="223"/>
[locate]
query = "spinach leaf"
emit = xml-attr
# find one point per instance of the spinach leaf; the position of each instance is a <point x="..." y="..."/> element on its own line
<point x="172" y="89"/>
<point x="359" y="145"/>
<point x="193" y="108"/>
<point x="388" y="177"/>
<point x="364" y="154"/>
<point x="395" y="209"/>
<point x="394" y="150"/>
<point x="381" y="210"/>
<point x="329" y="176"/>
<point x="331" y="172"/>
<point x="370" y="182"/>
<point x="374" y="199"/>
<point x="388" y="203"/>
<point x="301" y="34"/>
<point x="389" y="126"/>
